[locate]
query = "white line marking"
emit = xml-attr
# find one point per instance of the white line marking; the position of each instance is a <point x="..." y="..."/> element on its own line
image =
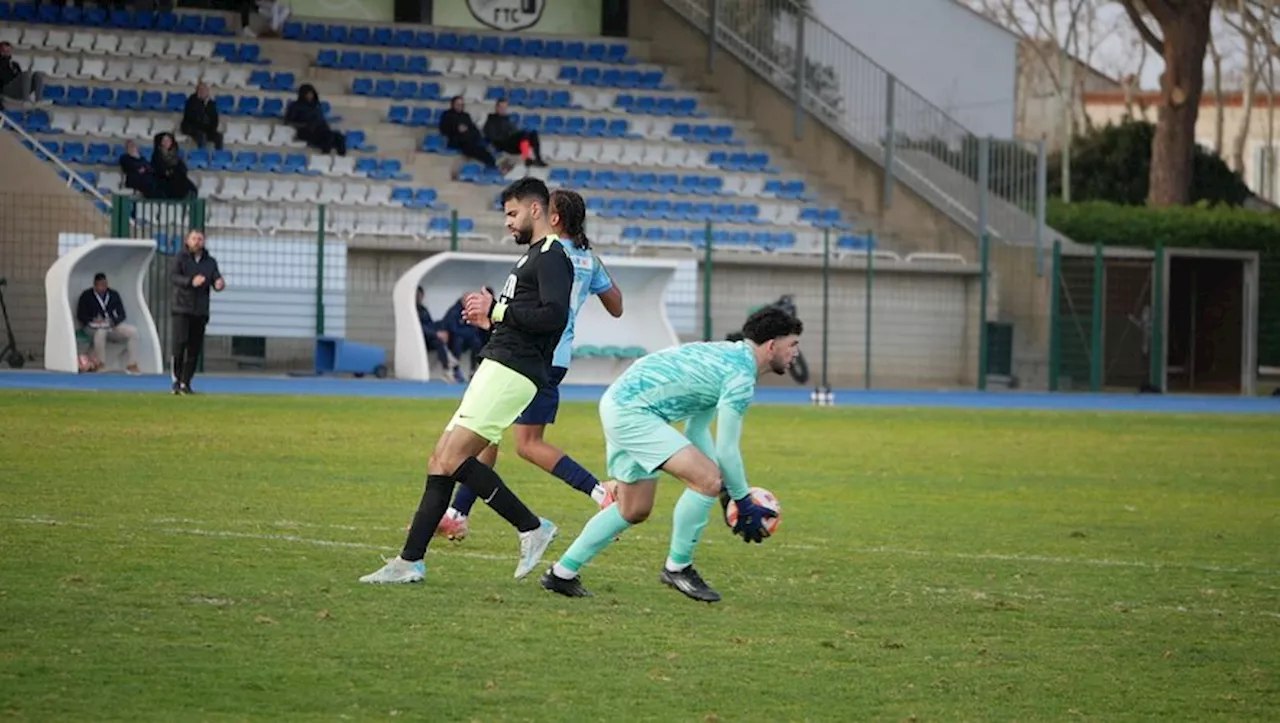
<point x="1002" y="557"/>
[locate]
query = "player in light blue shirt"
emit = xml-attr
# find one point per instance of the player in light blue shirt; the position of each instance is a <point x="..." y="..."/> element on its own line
<point x="696" y="384"/>
<point x="568" y="218"/>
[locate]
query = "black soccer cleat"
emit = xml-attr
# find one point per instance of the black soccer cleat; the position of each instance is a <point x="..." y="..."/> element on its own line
<point x="177" y="389"/>
<point x="568" y="588"/>
<point x="689" y="582"/>
<point x="186" y="389"/>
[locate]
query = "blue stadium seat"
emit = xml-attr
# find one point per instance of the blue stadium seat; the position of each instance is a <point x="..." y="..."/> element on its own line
<point x="568" y="74"/>
<point x="558" y="176"/>
<point x="56" y="94"/>
<point x="425" y="40"/>
<point x="335" y="34"/>
<point x="643" y="182"/>
<point x="175" y="102"/>
<point x="296" y="163"/>
<point x="97" y="153"/>
<point x="581" y="178"/>
<point x="244" y="160"/>
<point x="314" y="33"/>
<point x="37" y="121"/>
<point x="78" y="95"/>
<point x="398" y="114"/>
<point x="362" y="86"/>
<point x="632" y="233"/>
<point x="402" y="39"/>
<point x="395" y="63"/>
<point x="189" y="25"/>
<point x="151" y="100"/>
<point x="617" y="53"/>
<point x="383" y="36"/>
<point x="367" y="166"/>
<point x="360" y="36"/>
<point x="73" y="152"/>
<point x="260" y="78"/>
<point x="326" y="58"/>
<point x="430" y="91"/>
<point x="216" y="25"/>
<point x="221" y="160"/>
<point x="418" y="65"/>
<point x="638" y="208"/>
<point x="532" y="48"/>
<point x="251" y="54"/>
<point x="101" y="98"/>
<point x="248" y="105"/>
<point x="406" y="90"/>
<point x="356" y="141"/>
<point x="512" y="45"/>
<point x="292" y="31"/>
<point x="384" y="89"/>
<point x="792" y="190"/>
<point x="434" y="144"/>
<point x="282" y="82"/>
<point x="402" y="195"/>
<point x="574" y="50"/>
<point x="428" y="198"/>
<point x="490" y="45"/>
<point x="228" y="52"/>
<point x="372" y="62"/>
<point x="422" y="116"/>
<point x="269" y="163"/>
<point x="274" y="108"/>
<point x="469" y="43"/>
<point x="667" y="183"/>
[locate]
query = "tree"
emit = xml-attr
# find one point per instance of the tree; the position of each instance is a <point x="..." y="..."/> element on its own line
<point x="1113" y="164"/>
<point x="1182" y="42"/>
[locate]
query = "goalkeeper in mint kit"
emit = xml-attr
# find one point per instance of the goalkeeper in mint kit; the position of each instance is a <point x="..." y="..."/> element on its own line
<point x="695" y="383"/>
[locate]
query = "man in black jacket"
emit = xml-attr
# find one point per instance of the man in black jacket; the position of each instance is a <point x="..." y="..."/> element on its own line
<point x="195" y="272"/>
<point x="503" y="133"/>
<point x="138" y="173"/>
<point x="16" y="83"/>
<point x="461" y="133"/>
<point x="101" y="315"/>
<point x="200" y="118"/>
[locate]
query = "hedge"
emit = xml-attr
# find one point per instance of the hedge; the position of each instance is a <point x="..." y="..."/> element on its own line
<point x="1188" y="227"/>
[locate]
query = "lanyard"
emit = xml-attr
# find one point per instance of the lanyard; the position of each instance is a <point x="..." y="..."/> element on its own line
<point x="102" y="300"/>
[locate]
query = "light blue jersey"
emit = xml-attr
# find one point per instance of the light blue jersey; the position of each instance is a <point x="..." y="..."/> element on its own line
<point x="698" y="382"/>
<point x="589" y="279"/>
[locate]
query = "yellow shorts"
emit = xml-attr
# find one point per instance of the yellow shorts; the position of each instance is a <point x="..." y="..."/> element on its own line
<point x="494" y="399"/>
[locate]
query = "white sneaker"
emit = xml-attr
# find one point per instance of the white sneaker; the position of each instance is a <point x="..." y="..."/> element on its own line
<point x="397" y="570"/>
<point x="533" y="544"/>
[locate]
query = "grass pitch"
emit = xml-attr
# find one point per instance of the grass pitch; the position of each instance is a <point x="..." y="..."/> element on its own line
<point x="196" y="559"/>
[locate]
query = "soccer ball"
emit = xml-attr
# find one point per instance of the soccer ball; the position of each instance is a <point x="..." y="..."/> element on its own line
<point x="762" y="497"/>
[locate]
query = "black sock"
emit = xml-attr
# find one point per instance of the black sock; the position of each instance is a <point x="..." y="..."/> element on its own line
<point x="488" y="486"/>
<point x="431" y="509"/>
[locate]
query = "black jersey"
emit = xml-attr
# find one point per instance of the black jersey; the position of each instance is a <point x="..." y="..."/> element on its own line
<point x="532" y="310"/>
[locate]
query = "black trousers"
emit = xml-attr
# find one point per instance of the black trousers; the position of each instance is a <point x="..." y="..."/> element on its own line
<point x="188" y="345"/>
<point x="512" y="144"/>
<point x="472" y="146"/>
<point x="201" y="136"/>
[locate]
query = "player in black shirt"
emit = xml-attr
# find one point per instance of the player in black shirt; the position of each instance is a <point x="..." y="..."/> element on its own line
<point x="527" y="318"/>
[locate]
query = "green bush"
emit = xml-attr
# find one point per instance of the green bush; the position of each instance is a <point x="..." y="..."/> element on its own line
<point x="1201" y="226"/>
<point x="1113" y="163"/>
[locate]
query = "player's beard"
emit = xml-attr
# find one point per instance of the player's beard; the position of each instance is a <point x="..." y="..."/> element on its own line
<point x="524" y="236"/>
<point x="778" y="366"/>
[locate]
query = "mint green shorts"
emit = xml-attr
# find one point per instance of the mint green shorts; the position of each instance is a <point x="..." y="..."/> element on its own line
<point x="637" y="442"/>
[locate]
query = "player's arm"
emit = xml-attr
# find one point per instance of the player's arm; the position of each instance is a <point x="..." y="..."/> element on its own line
<point x="728" y="451"/>
<point x="698" y="430"/>
<point x="603" y="287"/>
<point x="551" y="313"/>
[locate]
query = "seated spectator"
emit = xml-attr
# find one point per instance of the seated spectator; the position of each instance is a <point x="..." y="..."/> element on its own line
<point x="307" y="117"/>
<point x="101" y="315"/>
<point x="16" y="83"/>
<point x="461" y="133"/>
<point x="138" y="173"/>
<point x="436" y="339"/>
<point x="462" y="337"/>
<point x="171" y="172"/>
<point x="200" y="118"/>
<point x="269" y="19"/>
<point x="503" y="133"/>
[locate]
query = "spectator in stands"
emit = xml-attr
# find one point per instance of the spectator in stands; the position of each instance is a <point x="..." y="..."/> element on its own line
<point x="200" y="118"/>
<point x="101" y="315"/>
<point x="270" y="18"/>
<point x="462" y="134"/>
<point x="462" y="337"/>
<point x="435" y="337"/>
<point x="306" y="115"/>
<point x="171" y="172"/>
<point x="138" y="173"/>
<point x="503" y="133"/>
<point x="16" y="83"/>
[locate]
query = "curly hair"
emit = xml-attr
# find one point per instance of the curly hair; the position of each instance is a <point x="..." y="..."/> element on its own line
<point x="573" y="216"/>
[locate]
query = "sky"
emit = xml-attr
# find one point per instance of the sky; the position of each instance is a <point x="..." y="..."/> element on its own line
<point x="1114" y="41"/>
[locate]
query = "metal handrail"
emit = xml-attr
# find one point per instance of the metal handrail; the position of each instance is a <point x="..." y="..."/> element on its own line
<point x="73" y="178"/>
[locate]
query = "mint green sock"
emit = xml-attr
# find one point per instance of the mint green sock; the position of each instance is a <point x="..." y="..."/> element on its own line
<point x="594" y="538"/>
<point x="690" y="519"/>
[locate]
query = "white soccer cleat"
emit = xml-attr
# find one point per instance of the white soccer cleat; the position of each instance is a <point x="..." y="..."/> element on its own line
<point x="398" y="571"/>
<point x="532" y="546"/>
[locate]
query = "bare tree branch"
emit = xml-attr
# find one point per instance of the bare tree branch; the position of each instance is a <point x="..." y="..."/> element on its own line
<point x="1140" y="23"/>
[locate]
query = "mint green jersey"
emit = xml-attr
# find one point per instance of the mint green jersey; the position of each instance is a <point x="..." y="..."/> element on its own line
<point x="697" y="383"/>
